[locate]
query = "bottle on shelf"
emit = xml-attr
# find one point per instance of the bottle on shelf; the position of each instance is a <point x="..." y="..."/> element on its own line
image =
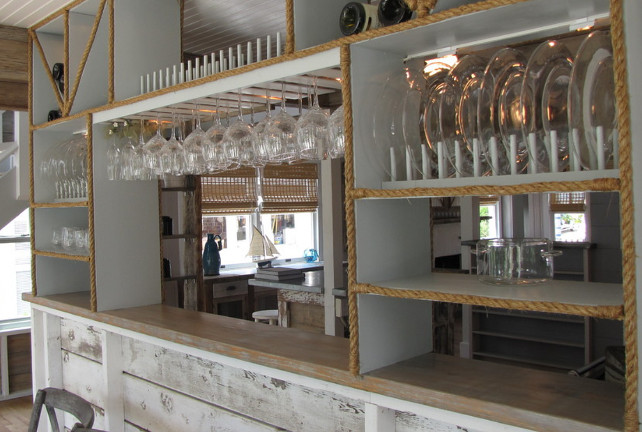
<point x="391" y="12"/>
<point x="358" y="17"/>
<point x="211" y="255"/>
<point x="58" y="73"/>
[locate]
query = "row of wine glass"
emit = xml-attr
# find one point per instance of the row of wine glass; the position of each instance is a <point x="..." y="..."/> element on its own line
<point x="511" y="113"/>
<point x="64" y="166"/>
<point x="276" y="139"/>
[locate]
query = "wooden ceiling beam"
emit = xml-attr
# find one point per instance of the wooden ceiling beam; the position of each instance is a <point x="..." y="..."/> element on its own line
<point x="13" y="68"/>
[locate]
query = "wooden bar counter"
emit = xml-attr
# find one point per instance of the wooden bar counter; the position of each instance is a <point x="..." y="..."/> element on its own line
<point x="164" y="368"/>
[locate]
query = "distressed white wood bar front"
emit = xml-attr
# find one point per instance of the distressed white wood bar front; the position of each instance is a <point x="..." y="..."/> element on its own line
<point x="159" y="368"/>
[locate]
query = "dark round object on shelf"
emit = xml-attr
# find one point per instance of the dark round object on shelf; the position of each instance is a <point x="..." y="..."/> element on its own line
<point x="352" y="18"/>
<point x="53" y="115"/>
<point x="393" y="12"/>
<point x="58" y="71"/>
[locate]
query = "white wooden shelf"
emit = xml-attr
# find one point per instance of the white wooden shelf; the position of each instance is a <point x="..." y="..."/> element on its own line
<point x="521" y="337"/>
<point x="515" y="359"/>
<point x="519" y="22"/>
<point x="529" y="315"/>
<point x="565" y="292"/>
<point x="253" y="83"/>
<point x="504" y="180"/>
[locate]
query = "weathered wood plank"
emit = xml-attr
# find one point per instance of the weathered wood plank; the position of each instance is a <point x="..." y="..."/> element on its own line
<point x="83" y="340"/>
<point x="268" y="399"/>
<point x="19" y="343"/>
<point x="408" y="422"/>
<point x="156" y="408"/>
<point x="83" y="377"/>
<point x="14" y="96"/>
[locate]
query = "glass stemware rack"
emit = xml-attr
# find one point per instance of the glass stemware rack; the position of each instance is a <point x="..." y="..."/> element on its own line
<point x="388" y="283"/>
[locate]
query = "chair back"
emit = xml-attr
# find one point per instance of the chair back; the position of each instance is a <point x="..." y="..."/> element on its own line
<point x="58" y="399"/>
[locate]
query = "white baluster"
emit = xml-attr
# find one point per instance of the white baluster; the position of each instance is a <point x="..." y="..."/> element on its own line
<point x="408" y="164"/>
<point x="476" y="158"/>
<point x="458" y="159"/>
<point x="599" y="147"/>
<point x="512" y="145"/>
<point x="441" y="160"/>
<point x="268" y="49"/>
<point x="278" y="44"/>
<point x="249" y="52"/>
<point x="494" y="155"/>
<point x="574" y="150"/>
<point x="393" y="165"/>
<point x="532" y="149"/>
<point x="142" y="84"/>
<point x="553" y="156"/>
<point x="258" y="50"/>
<point x="425" y="162"/>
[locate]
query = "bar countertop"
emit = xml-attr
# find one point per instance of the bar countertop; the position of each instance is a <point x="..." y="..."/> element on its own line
<point x="527" y="398"/>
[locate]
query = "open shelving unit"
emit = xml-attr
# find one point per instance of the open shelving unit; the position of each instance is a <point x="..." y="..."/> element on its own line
<point x="391" y="285"/>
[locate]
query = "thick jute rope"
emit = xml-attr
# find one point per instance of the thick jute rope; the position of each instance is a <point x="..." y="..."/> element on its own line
<point x="93" y="299"/>
<point x="32" y="219"/>
<point x="60" y="204"/>
<point x="85" y="55"/>
<point x="607" y="312"/>
<point x="45" y="64"/>
<point x="110" y="55"/>
<point x="289" y="27"/>
<point x="61" y="255"/>
<point x="65" y="62"/>
<point x="597" y="185"/>
<point x="346" y="87"/>
<point x="422" y="7"/>
<point x="631" y="417"/>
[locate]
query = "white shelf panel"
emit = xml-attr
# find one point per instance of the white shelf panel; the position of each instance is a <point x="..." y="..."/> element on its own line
<point x="565" y="292"/>
<point x="522" y="21"/>
<point x="306" y="65"/>
<point x="504" y="180"/>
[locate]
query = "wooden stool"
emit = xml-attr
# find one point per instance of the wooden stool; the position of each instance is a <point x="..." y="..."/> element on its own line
<point x="270" y="315"/>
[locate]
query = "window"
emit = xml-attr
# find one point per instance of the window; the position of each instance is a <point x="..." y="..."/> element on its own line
<point x="489" y="217"/>
<point x="287" y="198"/>
<point x="569" y="216"/>
<point x="15" y="268"/>
<point x="235" y="232"/>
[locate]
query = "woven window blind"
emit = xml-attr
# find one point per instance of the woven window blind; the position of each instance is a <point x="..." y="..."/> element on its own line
<point x="229" y="192"/>
<point x="290" y="188"/>
<point x="567" y="202"/>
<point x="488" y="200"/>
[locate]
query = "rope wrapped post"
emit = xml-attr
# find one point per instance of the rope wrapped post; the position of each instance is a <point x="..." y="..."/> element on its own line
<point x="631" y="417"/>
<point x="289" y="27"/>
<point x="346" y="88"/>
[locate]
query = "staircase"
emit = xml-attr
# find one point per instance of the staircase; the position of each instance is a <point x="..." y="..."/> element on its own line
<point x="14" y="166"/>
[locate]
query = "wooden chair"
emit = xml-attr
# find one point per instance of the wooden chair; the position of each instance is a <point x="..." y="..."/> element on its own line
<point x="57" y="399"/>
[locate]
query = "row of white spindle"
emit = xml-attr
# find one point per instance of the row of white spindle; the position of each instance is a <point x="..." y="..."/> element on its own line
<point x="211" y="64"/>
<point x="494" y="147"/>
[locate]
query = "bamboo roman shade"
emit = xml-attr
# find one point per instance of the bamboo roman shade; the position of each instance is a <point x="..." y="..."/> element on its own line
<point x="290" y="188"/>
<point x="567" y="202"/>
<point x="229" y="192"/>
<point x="283" y="189"/>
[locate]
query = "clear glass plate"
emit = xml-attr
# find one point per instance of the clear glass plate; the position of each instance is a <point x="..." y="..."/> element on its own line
<point x="387" y="127"/>
<point x="510" y="120"/>
<point x="498" y="70"/>
<point x="547" y="57"/>
<point x="591" y="102"/>
<point x="555" y="110"/>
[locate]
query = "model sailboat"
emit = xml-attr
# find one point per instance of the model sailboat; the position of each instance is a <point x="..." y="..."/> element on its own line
<point x="262" y="250"/>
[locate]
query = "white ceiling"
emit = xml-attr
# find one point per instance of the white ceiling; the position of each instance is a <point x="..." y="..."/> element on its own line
<point x="210" y="25"/>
